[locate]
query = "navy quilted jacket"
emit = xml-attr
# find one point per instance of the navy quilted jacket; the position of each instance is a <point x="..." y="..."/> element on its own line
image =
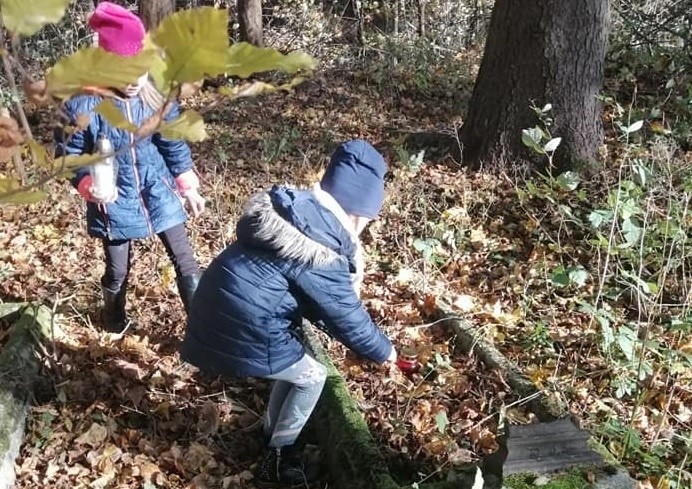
<point x="292" y="259"/>
<point x="148" y="201"/>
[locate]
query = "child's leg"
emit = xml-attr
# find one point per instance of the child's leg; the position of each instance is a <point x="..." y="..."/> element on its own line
<point x="114" y="284"/>
<point x="293" y="399"/>
<point x="118" y="257"/>
<point x="187" y="271"/>
<point x="180" y="252"/>
<point x="280" y="389"/>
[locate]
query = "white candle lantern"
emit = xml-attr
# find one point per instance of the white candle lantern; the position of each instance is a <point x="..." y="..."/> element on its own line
<point x="105" y="172"/>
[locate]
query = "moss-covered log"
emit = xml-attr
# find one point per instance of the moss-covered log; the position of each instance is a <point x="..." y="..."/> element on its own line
<point x="19" y="367"/>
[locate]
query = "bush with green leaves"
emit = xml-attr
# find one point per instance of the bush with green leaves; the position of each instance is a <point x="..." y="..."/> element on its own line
<point x="631" y="225"/>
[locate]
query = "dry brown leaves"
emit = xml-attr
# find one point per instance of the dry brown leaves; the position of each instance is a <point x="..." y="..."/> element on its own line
<point x="126" y="413"/>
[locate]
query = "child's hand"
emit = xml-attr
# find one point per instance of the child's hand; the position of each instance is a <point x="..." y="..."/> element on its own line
<point x="392" y="356"/>
<point x="188" y="183"/>
<point x="195" y="201"/>
<point x="86" y="190"/>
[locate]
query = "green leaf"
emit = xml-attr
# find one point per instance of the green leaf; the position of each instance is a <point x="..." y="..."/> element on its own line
<point x="195" y="42"/>
<point x="39" y="152"/>
<point x="532" y="139"/>
<point x="11" y="192"/>
<point x="634" y="127"/>
<point x="26" y="17"/>
<point x="626" y="340"/>
<point x="559" y="277"/>
<point x="599" y="217"/>
<point x="552" y="145"/>
<point x="77" y="161"/>
<point x="94" y="67"/>
<point x="157" y="68"/>
<point x="629" y="208"/>
<point x="578" y="275"/>
<point x="244" y="59"/>
<point x="568" y="180"/>
<point x="189" y="126"/>
<point x="441" y="421"/>
<point x="646" y="287"/>
<point x="632" y="233"/>
<point x="113" y="115"/>
<point x="536" y="134"/>
<point x="641" y="174"/>
<point x="684" y="325"/>
<point x="604" y="319"/>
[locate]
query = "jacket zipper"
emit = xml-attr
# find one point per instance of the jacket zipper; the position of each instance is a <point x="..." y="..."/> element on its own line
<point x="106" y="220"/>
<point x="174" y="190"/>
<point x="133" y="152"/>
<point x="170" y="187"/>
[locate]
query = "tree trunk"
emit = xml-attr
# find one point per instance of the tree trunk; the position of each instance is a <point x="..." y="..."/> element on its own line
<point x="540" y="51"/>
<point x="250" y="20"/>
<point x="420" y="5"/>
<point x="154" y="11"/>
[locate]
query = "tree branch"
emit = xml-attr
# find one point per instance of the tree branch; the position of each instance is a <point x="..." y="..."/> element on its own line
<point x="19" y="164"/>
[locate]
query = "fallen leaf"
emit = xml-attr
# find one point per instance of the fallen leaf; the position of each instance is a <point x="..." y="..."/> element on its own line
<point x="94" y="436"/>
<point x="10" y="135"/>
<point x="209" y="420"/>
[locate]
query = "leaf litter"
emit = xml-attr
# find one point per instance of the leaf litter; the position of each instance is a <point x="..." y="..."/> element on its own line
<point x="127" y="413"/>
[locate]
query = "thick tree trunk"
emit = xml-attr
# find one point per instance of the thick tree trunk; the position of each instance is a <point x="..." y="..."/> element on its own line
<point x="545" y="51"/>
<point x="154" y="11"/>
<point x="250" y="20"/>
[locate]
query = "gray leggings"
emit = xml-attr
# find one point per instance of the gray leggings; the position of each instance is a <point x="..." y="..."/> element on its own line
<point x="293" y="397"/>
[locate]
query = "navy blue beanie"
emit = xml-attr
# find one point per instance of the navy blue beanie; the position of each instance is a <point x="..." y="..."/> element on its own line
<point x="355" y="178"/>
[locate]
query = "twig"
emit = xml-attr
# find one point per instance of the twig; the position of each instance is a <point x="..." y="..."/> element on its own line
<point x="518" y="402"/>
<point x="427" y="325"/>
<point x="20" y="110"/>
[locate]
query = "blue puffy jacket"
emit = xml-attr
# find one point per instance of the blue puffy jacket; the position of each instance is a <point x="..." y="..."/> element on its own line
<point x="148" y="201"/>
<point x="293" y="258"/>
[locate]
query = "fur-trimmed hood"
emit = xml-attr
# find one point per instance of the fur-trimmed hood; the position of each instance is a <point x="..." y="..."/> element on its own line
<point x="304" y="225"/>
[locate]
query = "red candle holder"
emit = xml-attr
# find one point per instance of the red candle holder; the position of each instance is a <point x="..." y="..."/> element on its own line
<point x="408" y="360"/>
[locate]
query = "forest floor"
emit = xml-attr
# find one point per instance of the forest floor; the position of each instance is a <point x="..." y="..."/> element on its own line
<point x="127" y="413"/>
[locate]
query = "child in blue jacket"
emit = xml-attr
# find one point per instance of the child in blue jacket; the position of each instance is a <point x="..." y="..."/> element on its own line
<point x="154" y="174"/>
<point x="297" y="255"/>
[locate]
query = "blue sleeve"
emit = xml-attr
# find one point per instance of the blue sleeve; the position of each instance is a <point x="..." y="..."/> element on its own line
<point x="76" y="142"/>
<point x="331" y="299"/>
<point x="176" y="153"/>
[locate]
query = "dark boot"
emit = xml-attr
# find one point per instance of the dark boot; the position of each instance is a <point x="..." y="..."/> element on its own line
<point x="113" y="313"/>
<point x="284" y="466"/>
<point x="187" y="285"/>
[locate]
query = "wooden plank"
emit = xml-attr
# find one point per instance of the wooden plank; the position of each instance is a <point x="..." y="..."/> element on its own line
<point x="548" y="447"/>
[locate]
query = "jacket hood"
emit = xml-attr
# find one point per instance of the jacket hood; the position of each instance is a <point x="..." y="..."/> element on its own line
<point x="303" y="225"/>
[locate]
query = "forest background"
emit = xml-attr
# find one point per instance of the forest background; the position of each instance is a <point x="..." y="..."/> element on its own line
<point x="541" y="174"/>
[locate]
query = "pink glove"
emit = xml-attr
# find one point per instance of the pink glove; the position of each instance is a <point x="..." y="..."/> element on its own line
<point x="188" y="185"/>
<point x="84" y="188"/>
<point x="187" y="181"/>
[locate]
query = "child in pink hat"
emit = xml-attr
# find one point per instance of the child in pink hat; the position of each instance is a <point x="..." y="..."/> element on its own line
<point x="155" y="176"/>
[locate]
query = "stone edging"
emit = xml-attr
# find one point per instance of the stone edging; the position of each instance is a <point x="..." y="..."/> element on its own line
<point x="19" y="367"/>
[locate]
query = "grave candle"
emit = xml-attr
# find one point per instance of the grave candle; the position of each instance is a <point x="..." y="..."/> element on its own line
<point x="408" y="360"/>
<point x="104" y="172"/>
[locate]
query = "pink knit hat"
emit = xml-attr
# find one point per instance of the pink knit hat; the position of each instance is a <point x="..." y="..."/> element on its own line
<point x="120" y="31"/>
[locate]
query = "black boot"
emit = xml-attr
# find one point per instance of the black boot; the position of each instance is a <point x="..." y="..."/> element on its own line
<point x="113" y="314"/>
<point x="187" y="285"/>
<point x="284" y="466"/>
